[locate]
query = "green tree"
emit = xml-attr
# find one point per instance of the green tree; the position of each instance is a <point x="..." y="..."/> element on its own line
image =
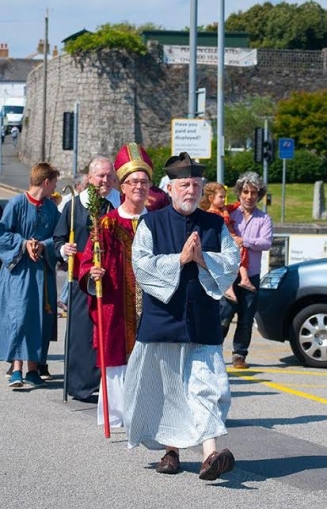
<point x="296" y="27"/>
<point x="243" y="117"/>
<point x="253" y="21"/>
<point x="304" y="117"/>
<point x="283" y="26"/>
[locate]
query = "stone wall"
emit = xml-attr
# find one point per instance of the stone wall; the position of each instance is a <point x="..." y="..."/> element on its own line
<point x="126" y="99"/>
<point x="121" y="100"/>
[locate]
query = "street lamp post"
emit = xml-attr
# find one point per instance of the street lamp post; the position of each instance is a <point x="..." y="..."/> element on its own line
<point x="45" y="72"/>
<point x="192" y="64"/>
<point x="220" y="93"/>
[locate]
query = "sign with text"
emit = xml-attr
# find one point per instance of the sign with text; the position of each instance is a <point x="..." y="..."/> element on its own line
<point x="306" y="247"/>
<point x="191" y="135"/>
<point x="208" y="55"/>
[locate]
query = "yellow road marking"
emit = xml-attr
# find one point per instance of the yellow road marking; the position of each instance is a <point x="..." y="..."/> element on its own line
<point x="279" y="387"/>
<point x="301" y="394"/>
<point x="283" y="371"/>
<point x="307" y="385"/>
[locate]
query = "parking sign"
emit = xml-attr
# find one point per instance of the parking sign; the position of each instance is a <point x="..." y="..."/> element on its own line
<point x="286" y="148"/>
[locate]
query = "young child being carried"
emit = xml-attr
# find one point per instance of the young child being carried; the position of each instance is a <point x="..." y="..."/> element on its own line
<point x="213" y="200"/>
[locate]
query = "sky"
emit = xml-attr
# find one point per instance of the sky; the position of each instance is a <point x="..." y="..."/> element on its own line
<point x="22" y="23"/>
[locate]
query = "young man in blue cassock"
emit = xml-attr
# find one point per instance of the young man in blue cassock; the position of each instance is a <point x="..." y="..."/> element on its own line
<point x="28" y="294"/>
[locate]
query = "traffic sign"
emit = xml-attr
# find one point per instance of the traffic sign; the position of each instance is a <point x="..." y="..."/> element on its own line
<point x="286" y="148"/>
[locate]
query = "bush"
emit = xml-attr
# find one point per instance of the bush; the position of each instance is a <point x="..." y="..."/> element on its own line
<point x="306" y="167"/>
<point x="108" y="37"/>
<point x="159" y="156"/>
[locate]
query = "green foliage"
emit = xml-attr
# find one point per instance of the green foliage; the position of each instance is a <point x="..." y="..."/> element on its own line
<point x="119" y="36"/>
<point x="306" y="167"/>
<point x="283" y="26"/>
<point x="243" y="117"/>
<point x="298" y="202"/>
<point x="95" y="203"/>
<point x="148" y="27"/>
<point x="159" y="156"/>
<point x="253" y="21"/>
<point x="234" y="165"/>
<point x="304" y="117"/>
<point x="301" y="173"/>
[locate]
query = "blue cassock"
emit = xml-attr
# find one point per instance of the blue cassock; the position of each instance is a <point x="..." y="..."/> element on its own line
<point x="28" y="295"/>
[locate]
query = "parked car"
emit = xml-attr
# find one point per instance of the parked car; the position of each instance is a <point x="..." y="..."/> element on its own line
<point x="293" y="307"/>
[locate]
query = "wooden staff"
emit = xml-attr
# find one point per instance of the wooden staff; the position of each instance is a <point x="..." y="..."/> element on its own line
<point x="95" y="202"/>
<point x="70" y="279"/>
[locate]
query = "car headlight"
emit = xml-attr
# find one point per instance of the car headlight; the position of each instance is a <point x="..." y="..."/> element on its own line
<point x="273" y="279"/>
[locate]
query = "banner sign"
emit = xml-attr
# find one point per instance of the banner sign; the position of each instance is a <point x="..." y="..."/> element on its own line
<point x="239" y="57"/>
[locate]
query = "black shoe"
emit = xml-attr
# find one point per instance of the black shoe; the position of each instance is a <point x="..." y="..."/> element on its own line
<point x="90" y="399"/>
<point x="43" y="372"/>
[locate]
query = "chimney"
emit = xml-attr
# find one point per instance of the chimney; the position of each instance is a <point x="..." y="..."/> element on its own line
<point x="4" y="51"/>
<point x="40" y="46"/>
<point x="55" y="51"/>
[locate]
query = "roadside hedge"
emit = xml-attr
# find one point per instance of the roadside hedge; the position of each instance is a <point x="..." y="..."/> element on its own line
<point x="306" y="167"/>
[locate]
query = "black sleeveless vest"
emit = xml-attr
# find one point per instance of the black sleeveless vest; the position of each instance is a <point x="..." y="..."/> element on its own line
<point x="191" y="316"/>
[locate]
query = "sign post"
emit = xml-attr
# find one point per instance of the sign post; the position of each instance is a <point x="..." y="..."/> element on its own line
<point x="285" y="151"/>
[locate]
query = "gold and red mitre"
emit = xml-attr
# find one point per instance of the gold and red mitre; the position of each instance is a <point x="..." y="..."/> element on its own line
<point x="132" y="157"/>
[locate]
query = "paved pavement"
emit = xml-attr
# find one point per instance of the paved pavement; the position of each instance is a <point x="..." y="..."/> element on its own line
<point x="54" y="456"/>
<point x="14" y="175"/>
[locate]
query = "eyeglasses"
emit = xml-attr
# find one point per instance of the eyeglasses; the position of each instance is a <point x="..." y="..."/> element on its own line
<point x="135" y="182"/>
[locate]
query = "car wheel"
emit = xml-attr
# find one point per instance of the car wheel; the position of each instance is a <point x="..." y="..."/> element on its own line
<point x="308" y="336"/>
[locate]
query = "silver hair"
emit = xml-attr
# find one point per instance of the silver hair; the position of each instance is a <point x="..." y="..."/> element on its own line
<point x="79" y="178"/>
<point x="253" y="179"/>
<point x="98" y="160"/>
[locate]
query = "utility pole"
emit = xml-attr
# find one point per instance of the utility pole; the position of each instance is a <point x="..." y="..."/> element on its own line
<point x="265" y="164"/>
<point x="192" y="64"/>
<point x="45" y="79"/>
<point x="220" y="93"/>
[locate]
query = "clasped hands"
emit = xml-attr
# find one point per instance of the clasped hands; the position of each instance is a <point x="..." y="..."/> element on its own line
<point x="192" y="250"/>
<point x="34" y="249"/>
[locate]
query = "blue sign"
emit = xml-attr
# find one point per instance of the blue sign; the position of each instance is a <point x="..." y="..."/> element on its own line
<point x="286" y="148"/>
